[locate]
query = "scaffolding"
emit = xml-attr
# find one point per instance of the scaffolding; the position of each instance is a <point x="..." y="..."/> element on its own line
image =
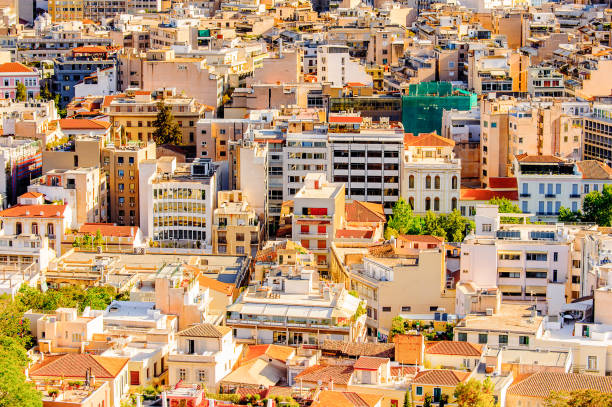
<point x="422" y="108"/>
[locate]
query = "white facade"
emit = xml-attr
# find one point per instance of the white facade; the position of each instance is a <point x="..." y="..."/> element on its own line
<point x="335" y="66"/>
<point x="176" y="206"/>
<point x="102" y="83"/>
<point x="525" y="261"/>
<point x="304" y="153"/>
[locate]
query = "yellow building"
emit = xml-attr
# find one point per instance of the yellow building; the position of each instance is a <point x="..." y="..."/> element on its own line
<point x="236" y="228"/>
<point x="377" y="73"/>
<point x="66" y="10"/>
<point x="438" y="384"/>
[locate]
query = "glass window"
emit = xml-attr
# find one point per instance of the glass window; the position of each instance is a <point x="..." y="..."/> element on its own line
<point x="503" y="339"/>
<point x="483" y="338"/>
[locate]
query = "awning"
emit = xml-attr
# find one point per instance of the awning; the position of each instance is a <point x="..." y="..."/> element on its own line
<point x="253" y="309"/>
<point x="537" y="270"/>
<point x="312" y="222"/>
<point x="510" y="288"/>
<point x="298" y="312"/>
<point x="276" y="310"/>
<point x="320" y="313"/>
<point x="536" y="289"/>
<point x="509" y="269"/>
<point x="498" y="73"/>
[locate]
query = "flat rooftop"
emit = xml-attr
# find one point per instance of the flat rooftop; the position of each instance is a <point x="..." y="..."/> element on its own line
<point x="513" y="318"/>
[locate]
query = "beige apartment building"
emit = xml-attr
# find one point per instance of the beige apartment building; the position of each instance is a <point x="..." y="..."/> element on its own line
<point x="397" y="281"/>
<point x="83" y="151"/>
<point x="83" y="189"/>
<point x="136" y="111"/>
<point x="494" y="138"/>
<point x="121" y="164"/>
<point x="236" y="228"/>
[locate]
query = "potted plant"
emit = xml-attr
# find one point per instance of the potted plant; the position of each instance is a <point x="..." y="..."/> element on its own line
<point x="53" y="393"/>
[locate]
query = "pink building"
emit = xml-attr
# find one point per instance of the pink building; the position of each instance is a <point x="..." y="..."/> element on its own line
<point x="12" y="73"/>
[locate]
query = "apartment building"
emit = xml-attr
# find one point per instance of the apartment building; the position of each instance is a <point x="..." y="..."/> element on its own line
<point x="83" y="189"/>
<point x="318" y="211"/>
<point x="545" y="81"/>
<point x="335" y="66"/>
<point x="494" y="138"/>
<point x="463" y="127"/>
<point x="217" y="138"/>
<point x="431" y="175"/>
<point x="598" y="134"/>
<point x="367" y="157"/>
<point x="121" y="164"/>
<point x="204" y="355"/>
<point x="252" y="179"/>
<point x="13" y="73"/>
<point x="65" y="330"/>
<point x="305" y="152"/>
<point x="386" y="45"/>
<point x="81" y="62"/>
<point x="22" y="159"/>
<point x="136" y="111"/>
<point x="236" y="228"/>
<point x="397" y="281"/>
<point x="296" y="309"/>
<point x="524" y="261"/>
<point x="177" y="202"/>
<point x="63" y="10"/>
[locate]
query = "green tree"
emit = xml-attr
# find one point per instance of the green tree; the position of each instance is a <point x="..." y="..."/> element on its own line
<point x="579" y="398"/>
<point x="14" y="389"/>
<point x="506" y="206"/>
<point x="597" y="206"/>
<point x="565" y="215"/>
<point x="398" y="327"/>
<point x="167" y="130"/>
<point x="403" y="220"/>
<point x="46" y="94"/>
<point x="432" y="225"/>
<point x="443" y="400"/>
<point x="98" y="240"/>
<point x="21" y="94"/>
<point x="407" y="402"/>
<point x="455" y="226"/>
<point x="427" y="400"/>
<point x="475" y="393"/>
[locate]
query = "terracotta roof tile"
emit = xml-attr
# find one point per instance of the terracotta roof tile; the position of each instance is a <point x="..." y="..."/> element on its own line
<point x="403" y="371"/>
<point x="34" y="211"/>
<point x="592" y="169"/>
<point x="370" y="363"/>
<point x="277" y="352"/>
<point x="346" y="399"/>
<point x="383" y="350"/>
<point x="77" y="124"/>
<point x="339" y="374"/>
<point x="206" y="331"/>
<point x="345" y="119"/>
<point x="75" y="365"/>
<point x="354" y="234"/>
<point x="541" y="384"/>
<point x="441" y="377"/>
<point x="358" y="211"/>
<point x="453" y="348"/>
<point x="422" y="238"/>
<point x="526" y="158"/>
<point x="427" y="140"/>
<point x="30" y="194"/>
<point x="481" y="194"/>
<point x="108" y="229"/>
<point x="11" y="67"/>
<point x="409" y="349"/>
<point x="216" y="285"/>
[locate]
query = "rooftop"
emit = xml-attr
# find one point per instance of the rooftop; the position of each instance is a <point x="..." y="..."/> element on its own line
<point x="515" y="318"/>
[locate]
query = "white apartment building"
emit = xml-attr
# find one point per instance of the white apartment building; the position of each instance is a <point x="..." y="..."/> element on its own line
<point x="177" y="203"/>
<point x="431" y="177"/>
<point x="205" y="354"/>
<point x="547" y="183"/>
<point x="524" y="261"/>
<point x="367" y="157"/>
<point x="296" y="309"/>
<point x="335" y="66"/>
<point x="304" y="153"/>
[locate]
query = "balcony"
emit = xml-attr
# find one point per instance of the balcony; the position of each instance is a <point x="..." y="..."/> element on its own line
<point x="550" y="196"/>
<point x="575" y="196"/>
<point x="525" y="195"/>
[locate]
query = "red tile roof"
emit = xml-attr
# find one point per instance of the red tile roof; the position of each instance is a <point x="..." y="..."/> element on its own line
<point x="592" y="169"/>
<point x="409" y="349"/>
<point x="422" y="238"/>
<point x="90" y="49"/>
<point x="502" y="183"/>
<point x="441" y="377"/>
<point x="355" y="84"/>
<point x="339" y="374"/>
<point x="328" y="398"/>
<point x="526" y="158"/>
<point x="77" y="124"/>
<point x="272" y="351"/>
<point x="352" y="349"/>
<point x="453" y="348"/>
<point x="402" y="371"/>
<point x="34" y="211"/>
<point x="108" y="229"/>
<point x="216" y="285"/>
<point x="480" y="194"/>
<point x="74" y="365"/>
<point x="14" y="67"/>
<point x="31" y="195"/>
<point x="345" y="119"/>
<point x="427" y="140"/>
<point x="542" y="383"/>
<point x="358" y="211"/>
<point x="354" y="234"/>
<point x="370" y="363"/>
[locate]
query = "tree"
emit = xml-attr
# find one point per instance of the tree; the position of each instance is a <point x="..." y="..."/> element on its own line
<point x="565" y="215"/>
<point x="579" y="398"/>
<point x="407" y="402"/>
<point x="475" y="393"/>
<point x="397" y="327"/>
<point x="98" y="240"/>
<point x="443" y="400"/>
<point x="14" y="389"/>
<point x="21" y="94"/>
<point x="403" y="220"/>
<point x="455" y="226"/>
<point x="504" y="205"/>
<point x="597" y="206"/>
<point x="167" y="130"/>
<point x="46" y="94"/>
<point x="427" y="400"/>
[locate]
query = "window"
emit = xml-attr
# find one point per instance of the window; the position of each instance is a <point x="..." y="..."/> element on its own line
<point x="386" y="309"/>
<point x="483" y="338"/>
<point x="462" y="337"/>
<point x="486" y="227"/>
<point x="427" y="203"/>
<point x="536" y="256"/>
<point x="34" y="228"/>
<point x="556" y="256"/>
<point x="454" y="182"/>
<point x="523" y="340"/>
<point x="182" y="374"/>
<point x="202" y="375"/>
<point x="419" y="391"/>
<point x="503" y="339"/>
<point x="592" y="363"/>
<point x="406" y="308"/>
<point x="411" y="182"/>
<point x="437" y="182"/>
<point x="436" y="204"/>
<point x="428" y="182"/>
<point x="541" y="188"/>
